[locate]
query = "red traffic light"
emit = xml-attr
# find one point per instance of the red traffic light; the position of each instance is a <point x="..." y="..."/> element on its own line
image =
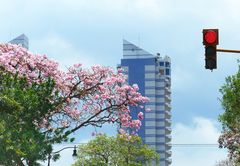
<point x="210" y="36"/>
<point x="210" y="41"/>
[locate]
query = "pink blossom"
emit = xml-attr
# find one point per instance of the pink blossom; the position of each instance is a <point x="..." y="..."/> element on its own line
<point x="140" y="116"/>
<point x="121" y="131"/>
<point x="96" y="91"/>
<point x="64" y="123"/>
<point x="77" y="65"/>
<point x="136" y="124"/>
<point x="120" y="70"/>
<point x="135" y="87"/>
<point x="125" y="122"/>
<point x="96" y="97"/>
<point x="68" y="100"/>
<point x="148" y="110"/>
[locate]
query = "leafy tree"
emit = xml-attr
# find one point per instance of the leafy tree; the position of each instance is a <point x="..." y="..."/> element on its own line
<point x="230" y="137"/>
<point x="20" y="140"/>
<point x="225" y="163"/>
<point x="123" y="150"/>
<point x="42" y="105"/>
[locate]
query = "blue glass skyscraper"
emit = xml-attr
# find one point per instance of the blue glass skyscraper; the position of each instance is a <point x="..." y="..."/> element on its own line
<point x="152" y="73"/>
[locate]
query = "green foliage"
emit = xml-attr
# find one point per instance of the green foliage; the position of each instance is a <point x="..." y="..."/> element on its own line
<point x="117" y="151"/>
<point x="226" y="162"/>
<point x="230" y="119"/>
<point x="21" y="105"/>
<point x="55" y="157"/>
<point x="231" y="102"/>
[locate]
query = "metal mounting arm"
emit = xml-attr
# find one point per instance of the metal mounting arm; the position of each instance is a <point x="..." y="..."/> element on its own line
<point x="227" y="50"/>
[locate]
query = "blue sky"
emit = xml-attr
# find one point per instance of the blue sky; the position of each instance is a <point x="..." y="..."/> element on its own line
<point x="91" y="32"/>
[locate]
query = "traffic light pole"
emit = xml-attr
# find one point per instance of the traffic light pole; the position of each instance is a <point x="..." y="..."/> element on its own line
<point x="226" y="50"/>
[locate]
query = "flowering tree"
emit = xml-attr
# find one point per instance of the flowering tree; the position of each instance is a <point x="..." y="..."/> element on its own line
<point x="230" y="119"/>
<point x="75" y="99"/>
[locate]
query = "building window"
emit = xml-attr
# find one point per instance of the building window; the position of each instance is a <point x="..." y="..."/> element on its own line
<point x="161" y="63"/>
<point x="161" y="71"/>
<point x="167" y="71"/>
<point x="167" y="64"/>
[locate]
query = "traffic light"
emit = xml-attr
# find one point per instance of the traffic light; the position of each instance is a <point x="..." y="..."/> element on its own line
<point x="210" y="40"/>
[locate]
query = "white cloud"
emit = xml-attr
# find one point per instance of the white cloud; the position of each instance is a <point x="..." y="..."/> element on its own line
<point x="62" y="51"/>
<point x="152" y="8"/>
<point x="88" y="9"/>
<point x="197" y="156"/>
<point x="209" y="12"/>
<point x="200" y="131"/>
<point x="182" y="79"/>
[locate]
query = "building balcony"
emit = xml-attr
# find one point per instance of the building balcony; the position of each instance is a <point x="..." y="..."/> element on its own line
<point x="168" y="106"/>
<point x="168" y="146"/>
<point x="168" y="130"/>
<point x="168" y="114"/>
<point x="168" y="153"/>
<point x="168" y="137"/>
<point x="169" y="160"/>
<point x="167" y="83"/>
<point x="167" y="124"/>
<point x="167" y="90"/>
<point x="168" y="79"/>
<point x="168" y="98"/>
<point x="168" y="121"/>
<point x="168" y="76"/>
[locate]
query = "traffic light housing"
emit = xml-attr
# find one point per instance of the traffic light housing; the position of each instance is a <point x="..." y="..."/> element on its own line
<point x="210" y="40"/>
